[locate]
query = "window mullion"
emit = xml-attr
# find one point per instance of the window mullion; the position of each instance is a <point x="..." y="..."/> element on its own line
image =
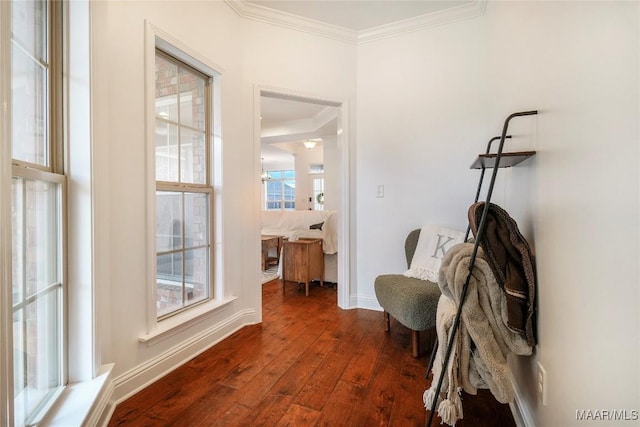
<point x="179" y="186"/>
<point x="184" y="254"/>
<point x="39" y="61"/>
<point x="171" y="122"/>
<point x="179" y="125"/>
<point x="207" y="132"/>
<point x="6" y="319"/>
<point x="23" y="284"/>
<point x="179" y="251"/>
<point x="56" y="82"/>
<point x="55" y="287"/>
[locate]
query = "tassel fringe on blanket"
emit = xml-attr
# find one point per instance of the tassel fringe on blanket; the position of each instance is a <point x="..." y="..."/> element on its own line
<point x="482" y="341"/>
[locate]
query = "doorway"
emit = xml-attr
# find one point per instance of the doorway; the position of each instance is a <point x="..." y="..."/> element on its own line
<point x="306" y="137"/>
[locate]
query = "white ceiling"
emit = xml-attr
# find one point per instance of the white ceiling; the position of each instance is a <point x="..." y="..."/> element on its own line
<point x="277" y="110"/>
<point x="286" y="123"/>
<point x="359" y="15"/>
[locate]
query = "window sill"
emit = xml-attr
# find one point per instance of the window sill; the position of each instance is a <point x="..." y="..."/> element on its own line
<point x="74" y="406"/>
<point x="168" y="327"/>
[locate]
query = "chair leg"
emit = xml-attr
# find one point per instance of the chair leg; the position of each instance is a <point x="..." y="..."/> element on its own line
<point x="387" y="322"/>
<point x="415" y="343"/>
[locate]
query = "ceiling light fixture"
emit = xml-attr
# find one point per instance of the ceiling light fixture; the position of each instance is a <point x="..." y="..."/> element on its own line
<point x="309" y="144"/>
<point x="264" y="176"/>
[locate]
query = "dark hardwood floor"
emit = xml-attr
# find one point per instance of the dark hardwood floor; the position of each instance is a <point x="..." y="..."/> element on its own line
<point x="308" y="364"/>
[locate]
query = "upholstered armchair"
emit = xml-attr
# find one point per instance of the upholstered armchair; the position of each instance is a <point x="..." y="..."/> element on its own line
<point x="413" y="301"/>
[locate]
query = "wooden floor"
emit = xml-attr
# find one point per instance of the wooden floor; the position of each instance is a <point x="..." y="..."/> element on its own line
<point x="308" y="364"/>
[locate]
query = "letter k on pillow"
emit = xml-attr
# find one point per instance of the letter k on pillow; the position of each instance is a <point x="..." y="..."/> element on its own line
<point x="433" y="243"/>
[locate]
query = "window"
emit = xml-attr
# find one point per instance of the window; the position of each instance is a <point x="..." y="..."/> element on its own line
<point x="37" y="210"/>
<point x="281" y="191"/>
<point x="183" y="185"/>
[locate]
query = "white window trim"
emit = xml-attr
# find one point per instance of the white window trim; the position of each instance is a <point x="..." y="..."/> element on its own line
<point x="52" y="172"/>
<point x="157" y="38"/>
<point x="6" y="373"/>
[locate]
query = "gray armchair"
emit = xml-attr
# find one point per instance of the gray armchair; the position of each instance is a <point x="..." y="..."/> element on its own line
<point x="412" y="302"/>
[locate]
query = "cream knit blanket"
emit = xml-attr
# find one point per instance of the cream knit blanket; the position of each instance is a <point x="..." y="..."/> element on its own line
<point x="482" y="341"/>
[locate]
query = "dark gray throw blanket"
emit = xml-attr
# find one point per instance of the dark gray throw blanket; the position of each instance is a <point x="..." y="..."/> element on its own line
<point x="512" y="263"/>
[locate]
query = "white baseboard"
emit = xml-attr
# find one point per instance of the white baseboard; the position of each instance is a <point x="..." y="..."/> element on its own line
<point x="520" y="409"/>
<point x="366" y="302"/>
<point x="136" y="379"/>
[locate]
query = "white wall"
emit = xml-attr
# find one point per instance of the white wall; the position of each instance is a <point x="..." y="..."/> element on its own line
<point x="249" y="54"/>
<point x="429" y="101"/>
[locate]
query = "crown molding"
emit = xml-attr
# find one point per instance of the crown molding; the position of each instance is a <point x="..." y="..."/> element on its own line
<point x="267" y="15"/>
<point x="435" y="19"/>
<point x="264" y="14"/>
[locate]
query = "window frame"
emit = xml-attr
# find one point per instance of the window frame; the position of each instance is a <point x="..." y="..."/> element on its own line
<point x="86" y="375"/>
<point x="182" y="188"/>
<point x="53" y="172"/>
<point x="281" y="181"/>
<point x="158" y="329"/>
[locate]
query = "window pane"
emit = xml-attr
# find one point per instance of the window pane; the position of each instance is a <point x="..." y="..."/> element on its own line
<point x="289" y="174"/>
<point x="274" y="190"/>
<point x="42" y="235"/>
<point x="166" y="89"/>
<point x="29" y="27"/>
<point x="19" y="355"/>
<point x="166" y="151"/>
<point x="196" y="274"/>
<point x="36" y="255"/>
<point x="169" y="283"/>
<point x="193" y="157"/>
<point x="289" y="190"/>
<point x="192" y="101"/>
<point x="18" y="236"/>
<point x="168" y="221"/>
<point x="196" y="219"/>
<point x="275" y="174"/>
<point x="29" y="109"/>
<point x="37" y="352"/>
